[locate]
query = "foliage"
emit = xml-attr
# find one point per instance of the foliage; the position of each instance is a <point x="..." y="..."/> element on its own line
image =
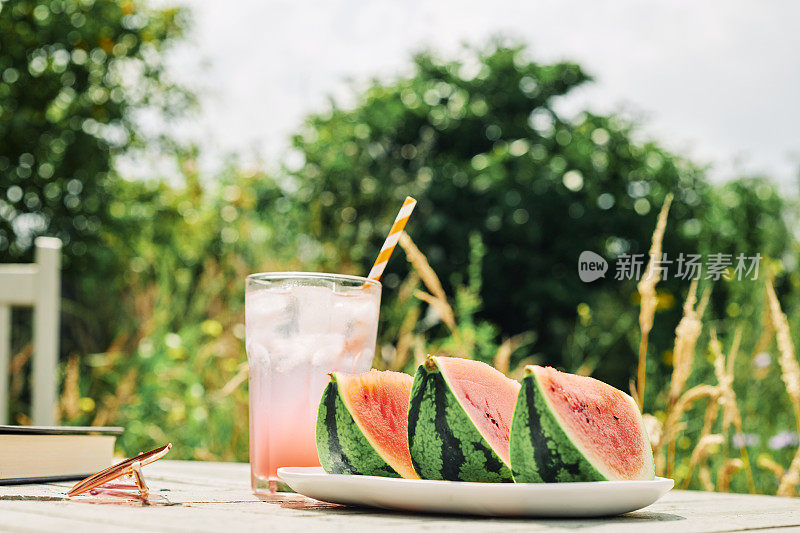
<point x="73" y="77"/>
<point x="709" y="421"/>
<point x="510" y="192"/>
<point x="721" y="442"/>
<point x="479" y="143"/>
<point x="176" y="368"/>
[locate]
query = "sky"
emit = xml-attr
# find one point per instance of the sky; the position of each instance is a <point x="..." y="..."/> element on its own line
<point x="718" y="81"/>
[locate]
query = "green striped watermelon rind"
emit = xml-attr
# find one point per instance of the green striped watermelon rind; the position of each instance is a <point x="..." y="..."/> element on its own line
<point x="443" y="440"/>
<point x="341" y="446"/>
<point x="541" y="451"/>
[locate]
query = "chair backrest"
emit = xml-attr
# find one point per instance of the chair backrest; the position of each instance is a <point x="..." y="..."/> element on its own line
<point x="36" y="285"/>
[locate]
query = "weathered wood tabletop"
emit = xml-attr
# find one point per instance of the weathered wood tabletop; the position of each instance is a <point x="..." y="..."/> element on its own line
<point x="217" y="497"/>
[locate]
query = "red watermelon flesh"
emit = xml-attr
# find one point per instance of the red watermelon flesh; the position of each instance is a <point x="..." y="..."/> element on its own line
<point x="378" y="403"/>
<point x="603" y="421"/>
<point x="487" y="396"/>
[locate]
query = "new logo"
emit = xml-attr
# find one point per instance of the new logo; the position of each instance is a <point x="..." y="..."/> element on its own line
<point x="591" y="266"/>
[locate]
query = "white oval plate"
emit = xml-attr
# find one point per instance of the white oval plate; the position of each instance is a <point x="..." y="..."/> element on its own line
<point x="599" y="498"/>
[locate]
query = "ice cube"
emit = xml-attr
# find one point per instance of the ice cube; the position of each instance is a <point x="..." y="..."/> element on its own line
<point x="327" y="351"/>
<point x="313" y="309"/>
<point x="289" y="353"/>
<point x="267" y="311"/>
<point x="362" y="361"/>
<point x="257" y="353"/>
<point x="357" y="316"/>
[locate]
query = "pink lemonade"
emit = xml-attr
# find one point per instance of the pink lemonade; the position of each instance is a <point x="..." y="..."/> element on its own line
<point x="299" y="327"/>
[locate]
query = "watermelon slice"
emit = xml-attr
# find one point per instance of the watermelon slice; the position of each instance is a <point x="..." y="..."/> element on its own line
<point x="576" y="428"/>
<point x="459" y="419"/>
<point x="362" y="424"/>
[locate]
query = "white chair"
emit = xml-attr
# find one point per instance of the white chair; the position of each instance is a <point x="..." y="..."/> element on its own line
<point x="36" y="285"/>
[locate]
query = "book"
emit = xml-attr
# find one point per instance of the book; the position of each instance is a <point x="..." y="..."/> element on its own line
<point x="38" y="454"/>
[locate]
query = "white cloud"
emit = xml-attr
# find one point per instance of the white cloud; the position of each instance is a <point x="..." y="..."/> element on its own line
<point x="718" y="80"/>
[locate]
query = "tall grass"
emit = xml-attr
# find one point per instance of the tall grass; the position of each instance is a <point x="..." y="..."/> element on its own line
<point x="648" y="298"/>
<point x="178" y="370"/>
<point x="703" y="420"/>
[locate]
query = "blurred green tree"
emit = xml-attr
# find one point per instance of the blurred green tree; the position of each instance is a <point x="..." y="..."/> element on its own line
<point x="481" y="144"/>
<point x="73" y="77"/>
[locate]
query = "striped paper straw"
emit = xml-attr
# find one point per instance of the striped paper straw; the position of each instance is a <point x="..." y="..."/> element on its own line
<point x="391" y="240"/>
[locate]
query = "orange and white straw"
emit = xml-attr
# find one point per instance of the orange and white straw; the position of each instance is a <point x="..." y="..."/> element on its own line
<point x="392" y="239"/>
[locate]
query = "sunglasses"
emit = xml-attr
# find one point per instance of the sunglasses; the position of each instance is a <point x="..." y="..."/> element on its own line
<point x="99" y="483"/>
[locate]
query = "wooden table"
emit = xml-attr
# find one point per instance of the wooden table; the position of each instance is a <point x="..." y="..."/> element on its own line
<point x="217" y="497"/>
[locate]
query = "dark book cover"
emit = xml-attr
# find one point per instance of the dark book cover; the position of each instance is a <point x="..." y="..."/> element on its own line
<point x="60" y="430"/>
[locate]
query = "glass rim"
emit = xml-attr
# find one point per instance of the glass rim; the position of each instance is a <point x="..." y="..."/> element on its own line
<point x="274" y="276"/>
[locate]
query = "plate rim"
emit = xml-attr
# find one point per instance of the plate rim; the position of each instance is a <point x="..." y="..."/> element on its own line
<point x="422" y="496"/>
<point x="309" y="472"/>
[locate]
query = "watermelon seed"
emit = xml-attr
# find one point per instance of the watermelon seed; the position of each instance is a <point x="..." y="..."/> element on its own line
<point x="615" y="417"/>
<point x="598" y="409"/>
<point x="587" y="418"/>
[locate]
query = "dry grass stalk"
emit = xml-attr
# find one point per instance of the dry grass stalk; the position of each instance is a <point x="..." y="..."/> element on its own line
<point x="729" y="467"/>
<point x="712" y="411"/>
<point x="653" y="426"/>
<point x="242" y="373"/>
<point x="727" y="397"/>
<point x="125" y="391"/>
<point x="767" y="329"/>
<point x="647" y="294"/>
<point x="676" y="426"/>
<point x="587" y="368"/>
<point x="700" y="454"/>
<point x="407" y="288"/>
<point x="686" y="334"/>
<point x="704" y="475"/>
<point x="672" y="422"/>
<point x="502" y="359"/>
<point x="768" y="463"/>
<point x="655" y="432"/>
<point x="790" y="479"/>
<point x="724" y="369"/>
<point x="734" y="351"/>
<point x="117" y="348"/>
<point x="790" y="372"/>
<point x="201" y="454"/>
<point x="441" y="307"/>
<point x="688" y="398"/>
<point x="436" y="296"/>
<point x="669" y="460"/>
<point x="144" y="303"/>
<point x="422" y="267"/>
<point x="383" y="356"/>
<point x="519" y="372"/>
<point x="405" y="339"/>
<point x="70" y="398"/>
<point x="15" y="369"/>
<point x="419" y="351"/>
<point x="20" y="359"/>
<point x="405" y="335"/>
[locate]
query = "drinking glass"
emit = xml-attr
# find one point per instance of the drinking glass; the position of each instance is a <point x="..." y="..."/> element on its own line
<point x="299" y="327"/>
